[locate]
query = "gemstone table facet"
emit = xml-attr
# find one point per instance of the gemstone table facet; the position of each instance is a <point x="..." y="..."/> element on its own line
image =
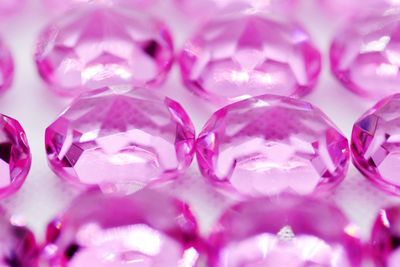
<point x="269" y="144"/>
<point x="120" y="139"/>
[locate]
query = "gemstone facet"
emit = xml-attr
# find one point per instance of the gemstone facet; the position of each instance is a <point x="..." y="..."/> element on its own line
<point x="8" y="7"/>
<point x="99" y="46"/>
<point x="269" y="144"/>
<point x="145" y="229"/>
<point x="62" y="5"/>
<point x="375" y="144"/>
<point x="364" y="55"/>
<point x="284" y="231"/>
<point x="236" y="56"/>
<point x="119" y="138"/>
<point x="15" y="156"/>
<point x="6" y="67"/>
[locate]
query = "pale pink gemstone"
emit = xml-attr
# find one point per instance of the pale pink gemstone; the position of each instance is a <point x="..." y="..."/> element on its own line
<point x="284" y="231"/>
<point x="8" y="7"/>
<point x="15" y="156"/>
<point x="100" y="46"/>
<point x="146" y="229"/>
<point x="345" y="8"/>
<point x="236" y="56"/>
<point x="6" y="67"/>
<point x="120" y="139"/>
<point x="268" y="145"/>
<point x="62" y="5"/>
<point x="376" y="144"/>
<point x="365" y="55"/>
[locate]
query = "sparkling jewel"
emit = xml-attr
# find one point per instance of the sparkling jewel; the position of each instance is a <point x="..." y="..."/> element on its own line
<point x="376" y="144"/>
<point x="284" y="231"/>
<point x="146" y="229"/>
<point x="120" y="139"/>
<point x="15" y="157"/>
<point x="99" y="46"/>
<point x="6" y="67"/>
<point x="237" y="56"/>
<point x="364" y="55"/>
<point x="270" y="144"/>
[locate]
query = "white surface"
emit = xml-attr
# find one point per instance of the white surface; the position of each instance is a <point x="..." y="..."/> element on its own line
<point x="43" y="194"/>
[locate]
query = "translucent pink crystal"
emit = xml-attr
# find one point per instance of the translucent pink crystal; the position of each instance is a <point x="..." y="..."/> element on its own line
<point x="62" y="5"/>
<point x="376" y="144"/>
<point x="99" y="46"/>
<point x="270" y="144"/>
<point x="6" y="67"/>
<point x="119" y="139"/>
<point x="145" y="229"/>
<point x="237" y="56"/>
<point x="385" y="237"/>
<point x="15" y="157"/>
<point x="364" y="55"/>
<point x="284" y="231"/>
<point x="8" y="7"/>
<point x="344" y="8"/>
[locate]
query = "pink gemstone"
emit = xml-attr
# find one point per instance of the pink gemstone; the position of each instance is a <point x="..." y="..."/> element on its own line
<point x="146" y="229"/>
<point x="120" y="139"/>
<point x="62" y="5"/>
<point x="376" y="144"/>
<point x="15" y="157"/>
<point x="6" y="67"/>
<point x="364" y="55"/>
<point x="270" y="144"/>
<point x="99" y="46"/>
<point x="237" y="56"/>
<point x="18" y="245"/>
<point x="8" y="7"/>
<point x="284" y="231"/>
<point x="385" y="238"/>
<point x="345" y="8"/>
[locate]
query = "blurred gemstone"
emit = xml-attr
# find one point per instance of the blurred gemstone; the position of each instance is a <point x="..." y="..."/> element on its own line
<point x="99" y="46"/>
<point x="237" y="56"/>
<point x="269" y="144"/>
<point x="365" y="55"/>
<point x="8" y="7"/>
<point x="120" y="139"/>
<point x="376" y="144"/>
<point x="284" y="231"/>
<point x="6" y="67"/>
<point x="62" y="5"/>
<point x="146" y="229"/>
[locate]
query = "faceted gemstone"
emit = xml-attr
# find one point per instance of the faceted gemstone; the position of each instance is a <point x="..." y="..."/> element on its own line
<point x="344" y="8"/>
<point x="15" y="156"/>
<point x="18" y="245"/>
<point x="364" y="55"/>
<point x="236" y="56"/>
<point x="6" y="67"/>
<point x="146" y="229"/>
<point x="62" y="5"/>
<point x="376" y="144"/>
<point x="270" y="144"/>
<point x="102" y="46"/>
<point x="385" y="236"/>
<point x="8" y="7"/>
<point x="284" y="231"/>
<point x="120" y="139"/>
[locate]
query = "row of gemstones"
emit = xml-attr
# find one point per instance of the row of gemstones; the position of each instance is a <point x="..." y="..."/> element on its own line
<point x="149" y="228"/>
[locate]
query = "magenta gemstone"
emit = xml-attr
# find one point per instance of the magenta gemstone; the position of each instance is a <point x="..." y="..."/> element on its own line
<point x="284" y="231"/>
<point x="6" y="67"/>
<point x="15" y="156"/>
<point x="385" y="234"/>
<point x="99" y="46"/>
<point x="237" y="56"/>
<point x="145" y="229"/>
<point x="120" y="139"/>
<point x="271" y="144"/>
<point x="8" y="7"/>
<point x="364" y="55"/>
<point x="376" y="144"/>
<point x="62" y="5"/>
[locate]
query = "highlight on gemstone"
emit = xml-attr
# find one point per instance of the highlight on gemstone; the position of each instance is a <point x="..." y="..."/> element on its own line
<point x="343" y="8"/>
<point x="284" y="231"/>
<point x="101" y="46"/>
<point x="270" y="144"/>
<point x="15" y="156"/>
<point x="385" y="249"/>
<point x="6" y="67"/>
<point x="145" y="229"/>
<point x="375" y="144"/>
<point x="120" y="139"/>
<point x="364" y="55"/>
<point x="236" y="56"/>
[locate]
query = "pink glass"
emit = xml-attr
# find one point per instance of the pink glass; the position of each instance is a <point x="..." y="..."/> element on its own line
<point x="120" y="139"/>
<point x="15" y="156"/>
<point x="284" y="231"/>
<point x="101" y="46"/>
<point x="364" y="55"/>
<point x="6" y="67"/>
<point x="268" y="145"/>
<point x="146" y="229"/>
<point x="237" y="56"/>
<point x="62" y="5"/>
<point x="376" y="146"/>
